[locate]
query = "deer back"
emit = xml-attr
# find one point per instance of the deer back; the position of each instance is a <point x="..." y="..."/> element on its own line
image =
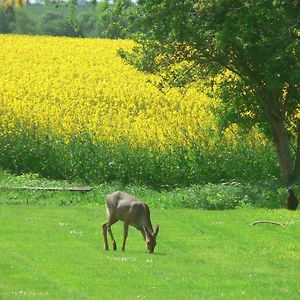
<point x="125" y="207"/>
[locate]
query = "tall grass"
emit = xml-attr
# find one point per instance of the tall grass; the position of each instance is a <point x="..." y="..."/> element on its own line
<point x="103" y="162"/>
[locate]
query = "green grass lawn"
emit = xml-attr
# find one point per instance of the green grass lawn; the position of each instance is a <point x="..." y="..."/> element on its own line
<point x="56" y="252"/>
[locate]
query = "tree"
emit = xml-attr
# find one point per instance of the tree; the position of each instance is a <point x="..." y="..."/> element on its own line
<point x="23" y="23"/>
<point x="7" y="14"/>
<point x="7" y="19"/>
<point x="253" y="44"/>
<point x="116" y="18"/>
<point x="56" y="23"/>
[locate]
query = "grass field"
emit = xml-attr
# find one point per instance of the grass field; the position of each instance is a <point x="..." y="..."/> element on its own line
<point x="56" y="252"/>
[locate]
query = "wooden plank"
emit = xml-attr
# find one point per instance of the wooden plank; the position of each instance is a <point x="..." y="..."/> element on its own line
<point x="51" y="189"/>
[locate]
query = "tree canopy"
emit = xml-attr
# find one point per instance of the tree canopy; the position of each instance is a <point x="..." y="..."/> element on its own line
<point x="116" y="18"/>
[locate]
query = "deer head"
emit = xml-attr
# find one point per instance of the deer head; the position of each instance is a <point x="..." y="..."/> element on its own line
<point x="151" y="238"/>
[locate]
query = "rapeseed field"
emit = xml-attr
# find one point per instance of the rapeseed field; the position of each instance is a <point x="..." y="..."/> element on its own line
<point x="71" y="87"/>
<point x="56" y="91"/>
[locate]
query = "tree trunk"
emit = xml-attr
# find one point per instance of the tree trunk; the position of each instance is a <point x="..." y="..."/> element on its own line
<point x="282" y="145"/>
<point x="296" y="174"/>
<point x="275" y="116"/>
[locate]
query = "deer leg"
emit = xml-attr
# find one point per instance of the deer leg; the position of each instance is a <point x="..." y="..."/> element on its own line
<point x="126" y="225"/>
<point x="106" y="227"/>
<point x="110" y="222"/>
<point x="104" y="231"/>
<point x="114" y="244"/>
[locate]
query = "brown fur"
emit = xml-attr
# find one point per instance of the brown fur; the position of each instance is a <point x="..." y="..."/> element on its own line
<point x="128" y="209"/>
<point x="291" y="201"/>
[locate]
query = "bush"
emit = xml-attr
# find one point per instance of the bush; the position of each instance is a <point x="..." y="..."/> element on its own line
<point x="23" y="23"/>
<point x="7" y="18"/>
<point x="87" y="22"/>
<point x="56" y="24"/>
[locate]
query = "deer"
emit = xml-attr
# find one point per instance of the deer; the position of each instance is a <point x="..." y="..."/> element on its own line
<point x="121" y="206"/>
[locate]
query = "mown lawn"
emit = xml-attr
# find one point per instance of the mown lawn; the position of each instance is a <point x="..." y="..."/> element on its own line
<point x="56" y="252"/>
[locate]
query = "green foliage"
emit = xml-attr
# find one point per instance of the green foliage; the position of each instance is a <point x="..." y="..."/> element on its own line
<point x="234" y="35"/>
<point x="55" y="23"/>
<point x="225" y="195"/>
<point x="57" y="253"/>
<point x="112" y="19"/>
<point x="221" y="196"/>
<point x="7" y="18"/>
<point x="116" y="18"/>
<point x="23" y="23"/>
<point x="16" y="21"/>
<point x="87" y="22"/>
<point x="102" y="162"/>
<point x="231" y="195"/>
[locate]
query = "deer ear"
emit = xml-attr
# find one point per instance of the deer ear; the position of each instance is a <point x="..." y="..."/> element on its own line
<point x="156" y="231"/>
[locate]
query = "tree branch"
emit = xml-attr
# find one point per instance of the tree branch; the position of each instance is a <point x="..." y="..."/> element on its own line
<point x="267" y="222"/>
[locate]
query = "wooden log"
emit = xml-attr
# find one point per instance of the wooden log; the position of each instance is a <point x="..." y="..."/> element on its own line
<point x="51" y="189"/>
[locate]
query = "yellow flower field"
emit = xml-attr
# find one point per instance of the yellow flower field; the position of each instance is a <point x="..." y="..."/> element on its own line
<point x="65" y="101"/>
<point x="68" y="87"/>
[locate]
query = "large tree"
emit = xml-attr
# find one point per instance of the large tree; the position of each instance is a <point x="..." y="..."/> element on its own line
<point x="253" y="44"/>
<point x="116" y="18"/>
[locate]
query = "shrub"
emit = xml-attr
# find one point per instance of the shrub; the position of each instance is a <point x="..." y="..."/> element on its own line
<point x="56" y="23"/>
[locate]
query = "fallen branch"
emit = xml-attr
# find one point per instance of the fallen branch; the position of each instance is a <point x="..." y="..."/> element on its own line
<point x="51" y="189"/>
<point x="268" y="222"/>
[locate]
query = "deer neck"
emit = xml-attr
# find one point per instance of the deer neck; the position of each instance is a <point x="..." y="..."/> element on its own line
<point x="146" y="220"/>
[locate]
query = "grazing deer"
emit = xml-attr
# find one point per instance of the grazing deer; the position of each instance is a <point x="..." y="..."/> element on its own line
<point x="125" y="207"/>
